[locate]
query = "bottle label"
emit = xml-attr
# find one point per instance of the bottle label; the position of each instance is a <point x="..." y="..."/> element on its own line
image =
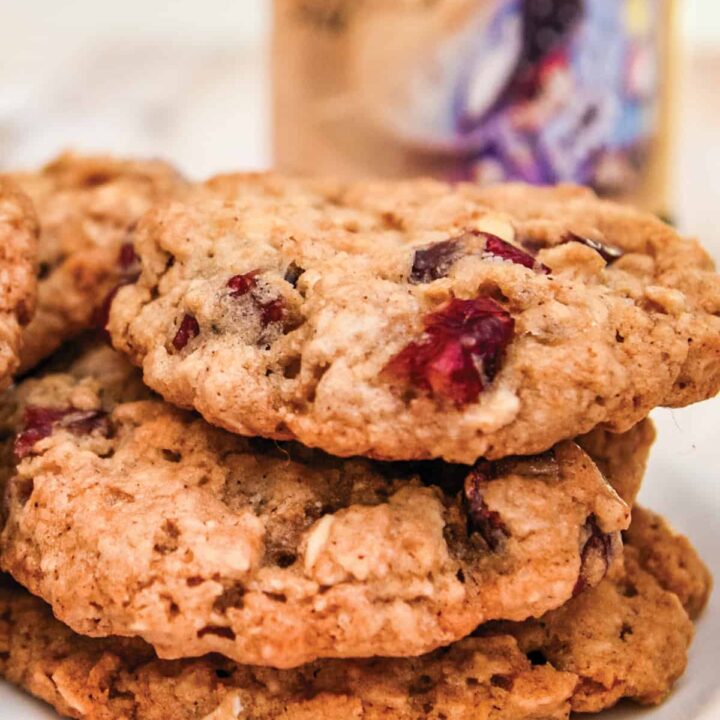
<point x="541" y="91"/>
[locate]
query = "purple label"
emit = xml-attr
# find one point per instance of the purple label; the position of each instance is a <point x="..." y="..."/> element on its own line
<point x="542" y="91"/>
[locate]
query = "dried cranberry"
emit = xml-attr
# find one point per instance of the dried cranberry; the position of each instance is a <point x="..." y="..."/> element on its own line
<point x="499" y="248"/>
<point x="270" y="310"/>
<point x="293" y="273"/>
<point x="101" y="316"/>
<point x="460" y="351"/>
<point x="242" y="284"/>
<point x="127" y="257"/>
<point x="129" y="273"/>
<point x="595" y="556"/>
<point x="608" y="253"/>
<point x="25" y="440"/>
<point x="481" y="519"/>
<point x="39" y="422"/>
<point x="434" y="261"/>
<point x="83" y="422"/>
<point x="188" y="329"/>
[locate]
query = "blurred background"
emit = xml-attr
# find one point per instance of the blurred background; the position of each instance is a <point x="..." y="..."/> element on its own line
<point x="190" y="81"/>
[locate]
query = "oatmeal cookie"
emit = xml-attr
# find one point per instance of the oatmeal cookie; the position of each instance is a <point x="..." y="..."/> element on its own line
<point x="87" y="207"/>
<point x="18" y="258"/>
<point x="621" y="457"/>
<point x="142" y="519"/>
<point x="671" y="559"/>
<point x="87" y="376"/>
<point x="627" y="637"/>
<point x="414" y="320"/>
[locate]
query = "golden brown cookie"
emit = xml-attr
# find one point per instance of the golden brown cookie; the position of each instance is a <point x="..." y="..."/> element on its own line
<point x="87" y="207"/>
<point x="625" y="638"/>
<point x="671" y="559"/>
<point x="621" y="457"/>
<point x="411" y="320"/>
<point x="141" y="519"/>
<point x="669" y="269"/>
<point x="18" y="284"/>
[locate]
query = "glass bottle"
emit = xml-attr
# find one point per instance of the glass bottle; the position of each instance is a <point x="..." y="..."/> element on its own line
<point x="542" y="91"/>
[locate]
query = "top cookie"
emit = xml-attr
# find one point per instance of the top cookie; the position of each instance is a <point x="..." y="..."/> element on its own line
<point x="86" y="207"/>
<point x="414" y="319"/>
<point x="18" y="248"/>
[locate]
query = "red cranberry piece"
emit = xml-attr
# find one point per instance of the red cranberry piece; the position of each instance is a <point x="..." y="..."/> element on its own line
<point x="480" y="518"/>
<point x="293" y="273"/>
<point x="39" y="423"/>
<point x="102" y="312"/>
<point x="25" y="440"/>
<point x="460" y="351"/>
<point x="595" y="556"/>
<point x="271" y="311"/>
<point x="242" y="284"/>
<point x="188" y="329"/>
<point x="127" y="257"/>
<point x="434" y="261"/>
<point x="129" y="273"/>
<point x="499" y="248"/>
<point x="37" y="416"/>
<point x="608" y="253"/>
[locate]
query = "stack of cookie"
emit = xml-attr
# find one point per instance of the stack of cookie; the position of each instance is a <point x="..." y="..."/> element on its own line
<point x="380" y="462"/>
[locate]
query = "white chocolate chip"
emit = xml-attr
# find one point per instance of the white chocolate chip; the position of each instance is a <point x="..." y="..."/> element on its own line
<point x="316" y="540"/>
<point x="496" y="226"/>
<point x="229" y="709"/>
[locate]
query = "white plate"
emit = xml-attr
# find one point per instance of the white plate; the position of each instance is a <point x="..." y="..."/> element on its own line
<point x="683" y="484"/>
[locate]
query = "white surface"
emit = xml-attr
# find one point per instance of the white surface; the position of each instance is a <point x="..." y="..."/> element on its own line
<point x="701" y="21"/>
<point x="186" y="80"/>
